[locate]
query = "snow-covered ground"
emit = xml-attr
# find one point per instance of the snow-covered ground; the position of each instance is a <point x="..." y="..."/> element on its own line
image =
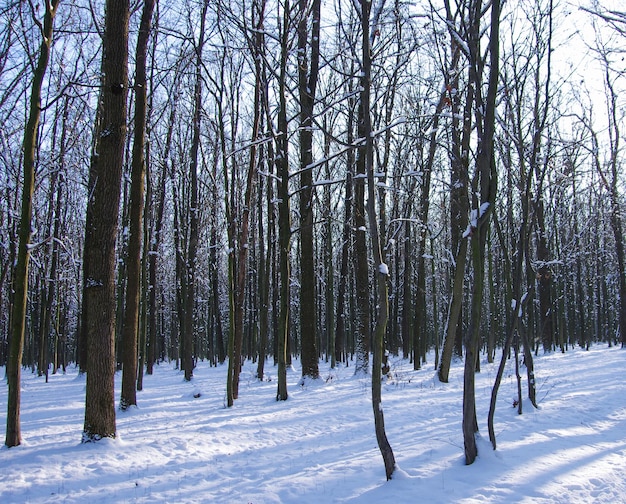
<point x="319" y="446"/>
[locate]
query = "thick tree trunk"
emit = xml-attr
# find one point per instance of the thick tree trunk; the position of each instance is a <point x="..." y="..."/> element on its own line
<point x="307" y="83"/>
<point x="101" y="227"/>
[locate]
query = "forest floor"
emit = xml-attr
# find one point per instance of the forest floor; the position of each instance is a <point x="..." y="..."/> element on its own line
<point x="319" y="446"/>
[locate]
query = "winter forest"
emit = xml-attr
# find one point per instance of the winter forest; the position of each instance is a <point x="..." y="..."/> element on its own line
<point x="338" y="184"/>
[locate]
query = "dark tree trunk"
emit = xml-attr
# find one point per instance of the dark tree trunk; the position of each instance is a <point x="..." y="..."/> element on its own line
<point x="284" y="217"/>
<point x="307" y="83"/>
<point x="419" y="331"/>
<point x="138" y="175"/>
<point x="544" y="280"/>
<point x="365" y="160"/>
<point x="459" y="207"/>
<point x="362" y="323"/>
<point x="340" y="328"/>
<point x="187" y="355"/>
<point x="484" y="188"/>
<point x="20" y="275"/>
<point x="101" y="227"/>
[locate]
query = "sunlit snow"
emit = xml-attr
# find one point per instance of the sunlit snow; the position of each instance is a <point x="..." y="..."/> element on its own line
<point x="319" y="446"/>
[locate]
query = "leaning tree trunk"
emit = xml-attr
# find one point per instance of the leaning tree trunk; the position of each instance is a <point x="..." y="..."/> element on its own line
<point x="101" y="227"/>
<point x="20" y="276"/>
<point x="519" y="303"/>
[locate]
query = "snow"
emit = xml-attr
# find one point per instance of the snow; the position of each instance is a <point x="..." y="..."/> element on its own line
<point x="483" y="208"/>
<point x="383" y="269"/>
<point x="319" y="446"/>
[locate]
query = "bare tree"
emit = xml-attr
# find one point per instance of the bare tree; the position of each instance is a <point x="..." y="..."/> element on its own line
<point x="20" y="275"/>
<point x="609" y="174"/>
<point x="284" y="217"/>
<point x="98" y="316"/>
<point x="138" y="175"/>
<point x="187" y="350"/>
<point x="308" y="70"/>
<point x="484" y="186"/>
<point x="366" y="159"/>
<point x="460" y="133"/>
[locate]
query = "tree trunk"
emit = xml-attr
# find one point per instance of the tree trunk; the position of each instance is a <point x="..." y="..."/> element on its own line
<point x="101" y="227"/>
<point x="419" y="331"/>
<point x="187" y="354"/>
<point x="155" y="241"/>
<point x="20" y="275"/>
<point x="264" y="268"/>
<point x="365" y="159"/>
<point x="483" y="187"/>
<point x="242" y="238"/>
<point x="544" y="280"/>
<point x="459" y="207"/>
<point x="340" y="327"/>
<point x="284" y="217"/>
<point x="329" y="280"/>
<point x="264" y="264"/>
<point x="362" y="324"/>
<point x="307" y="83"/>
<point x="138" y="173"/>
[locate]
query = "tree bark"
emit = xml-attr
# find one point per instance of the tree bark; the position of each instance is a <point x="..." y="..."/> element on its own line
<point x="362" y="323"/>
<point x="101" y="227"/>
<point x="284" y="217"/>
<point x="187" y="354"/>
<point x="484" y="187"/>
<point x="138" y="175"/>
<point x="459" y="206"/>
<point x="340" y="327"/>
<point x="307" y="83"/>
<point x="365" y="159"/>
<point x="20" y="275"/>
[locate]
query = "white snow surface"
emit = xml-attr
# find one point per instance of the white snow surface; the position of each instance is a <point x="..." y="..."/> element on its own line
<point x="319" y="446"/>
